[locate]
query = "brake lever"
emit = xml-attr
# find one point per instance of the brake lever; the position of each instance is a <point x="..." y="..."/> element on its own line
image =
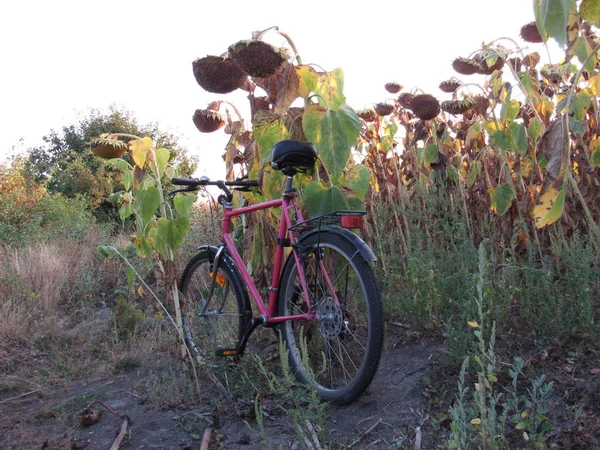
<point x="186" y="189"/>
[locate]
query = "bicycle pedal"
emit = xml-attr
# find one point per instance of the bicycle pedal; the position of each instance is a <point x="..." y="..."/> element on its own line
<point x="226" y="352"/>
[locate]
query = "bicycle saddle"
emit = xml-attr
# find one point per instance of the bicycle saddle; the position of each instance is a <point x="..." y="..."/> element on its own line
<point x="296" y="155"/>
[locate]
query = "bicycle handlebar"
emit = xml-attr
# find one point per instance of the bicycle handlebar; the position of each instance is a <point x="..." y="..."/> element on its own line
<point x="204" y="181"/>
<point x="193" y="184"/>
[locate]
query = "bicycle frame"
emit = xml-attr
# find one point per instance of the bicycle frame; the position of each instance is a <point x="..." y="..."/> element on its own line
<point x="289" y="207"/>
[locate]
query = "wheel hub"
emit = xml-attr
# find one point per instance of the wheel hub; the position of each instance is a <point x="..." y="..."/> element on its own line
<point x="329" y="318"/>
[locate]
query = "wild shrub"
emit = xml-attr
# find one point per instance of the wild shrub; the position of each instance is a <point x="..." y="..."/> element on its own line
<point x="30" y="214"/>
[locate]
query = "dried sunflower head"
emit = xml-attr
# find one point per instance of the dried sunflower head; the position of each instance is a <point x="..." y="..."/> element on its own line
<point x="207" y="120"/>
<point x="450" y="85"/>
<point x="546" y="89"/>
<point x="405" y="99"/>
<point x="425" y="106"/>
<point x="481" y="104"/>
<point x="257" y="58"/>
<point x="367" y="114"/>
<point x="384" y="109"/>
<point x="109" y="148"/>
<point x="486" y="69"/>
<point x="458" y="106"/>
<point x="530" y="33"/>
<point x="393" y="87"/>
<point x="466" y="66"/>
<point x="218" y="75"/>
<point x="531" y="60"/>
<point x="515" y="63"/>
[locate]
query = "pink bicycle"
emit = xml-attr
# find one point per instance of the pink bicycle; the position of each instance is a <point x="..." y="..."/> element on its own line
<point x="324" y="299"/>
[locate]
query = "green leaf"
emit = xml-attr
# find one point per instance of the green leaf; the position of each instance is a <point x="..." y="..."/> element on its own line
<point x="519" y="137"/>
<point x="127" y="179"/>
<point x="268" y="130"/>
<point x="355" y="203"/>
<point x="430" y="154"/>
<point x="146" y="202"/>
<point x="125" y="211"/>
<point x="330" y="88"/>
<point x="162" y="159"/>
<point x="554" y="16"/>
<point x="502" y="197"/>
<point x="105" y="250"/>
<point x="358" y="180"/>
<point x="590" y="11"/>
<point x="474" y="172"/>
<point x="595" y="158"/>
<point x="118" y="164"/>
<point x="510" y="111"/>
<point x="535" y="129"/>
<point x="578" y="126"/>
<point x="321" y="200"/>
<point x="503" y="139"/>
<point x="184" y="204"/>
<point x="170" y="234"/>
<point x="527" y="82"/>
<point x="272" y="185"/>
<point x="580" y="103"/>
<point x="333" y="132"/>
<point x="452" y="173"/>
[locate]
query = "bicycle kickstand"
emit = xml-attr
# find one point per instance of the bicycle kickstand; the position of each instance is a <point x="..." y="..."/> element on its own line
<point x="241" y="345"/>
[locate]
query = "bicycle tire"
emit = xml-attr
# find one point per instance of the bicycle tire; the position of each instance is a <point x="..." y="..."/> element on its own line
<point x="222" y="325"/>
<point x="351" y="329"/>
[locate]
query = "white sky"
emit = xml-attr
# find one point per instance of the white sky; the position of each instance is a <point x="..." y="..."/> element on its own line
<point x="61" y="57"/>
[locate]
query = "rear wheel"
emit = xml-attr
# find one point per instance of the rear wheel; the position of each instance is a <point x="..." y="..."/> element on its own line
<point x="216" y="322"/>
<point x="339" y="353"/>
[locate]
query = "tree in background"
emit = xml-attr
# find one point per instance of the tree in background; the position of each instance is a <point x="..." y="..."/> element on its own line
<point x="65" y="165"/>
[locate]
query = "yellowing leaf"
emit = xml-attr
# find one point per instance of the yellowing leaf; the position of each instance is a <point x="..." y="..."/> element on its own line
<point x="140" y="291"/>
<point x="594" y="84"/>
<point x="475" y="421"/>
<point x="590" y="11"/>
<point x="550" y="205"/>
<point x="139" y="150"/>
<point x="473" y="324"/>
<point x="308" y="79"/>
<point x="544" y="108"/>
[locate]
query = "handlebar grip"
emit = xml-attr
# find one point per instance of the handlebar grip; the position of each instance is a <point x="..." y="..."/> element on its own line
<point x="186" y="181"/>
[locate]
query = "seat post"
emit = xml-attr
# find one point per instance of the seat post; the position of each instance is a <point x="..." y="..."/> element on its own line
<point x="288" y="183"/>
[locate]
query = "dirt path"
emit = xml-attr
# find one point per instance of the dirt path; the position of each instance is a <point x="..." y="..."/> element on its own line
<point x="392" y="410"/>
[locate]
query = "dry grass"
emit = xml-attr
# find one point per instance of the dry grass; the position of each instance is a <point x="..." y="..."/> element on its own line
<point x="37" y="282"/>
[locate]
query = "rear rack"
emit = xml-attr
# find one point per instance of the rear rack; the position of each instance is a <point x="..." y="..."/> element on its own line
<point x="335" y="218"/>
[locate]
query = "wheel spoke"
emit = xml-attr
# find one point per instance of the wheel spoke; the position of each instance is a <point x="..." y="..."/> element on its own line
<point x="343" y="298"/>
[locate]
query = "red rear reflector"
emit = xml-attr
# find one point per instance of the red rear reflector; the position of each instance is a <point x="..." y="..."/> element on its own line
<point x="351" y="221"/>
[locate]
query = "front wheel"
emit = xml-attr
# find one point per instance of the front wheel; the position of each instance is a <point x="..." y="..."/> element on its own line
<point x="213" y="322"/>
<point x="339" y="353"/>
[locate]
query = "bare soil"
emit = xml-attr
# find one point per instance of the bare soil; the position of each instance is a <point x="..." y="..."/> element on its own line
<point x="391" y="413"/>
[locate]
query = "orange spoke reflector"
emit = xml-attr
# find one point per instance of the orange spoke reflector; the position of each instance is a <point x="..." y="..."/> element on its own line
<point x="351" y="221"/>
<point x="220" y="279"/>
<point x="229" y="352"/>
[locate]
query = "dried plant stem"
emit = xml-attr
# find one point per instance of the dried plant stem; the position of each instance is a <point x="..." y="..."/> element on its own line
<point x="179" y="330"/>
<point x="120" y="437"/>
<point x="592" y="225"/>
<point x="206" y="439"/>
